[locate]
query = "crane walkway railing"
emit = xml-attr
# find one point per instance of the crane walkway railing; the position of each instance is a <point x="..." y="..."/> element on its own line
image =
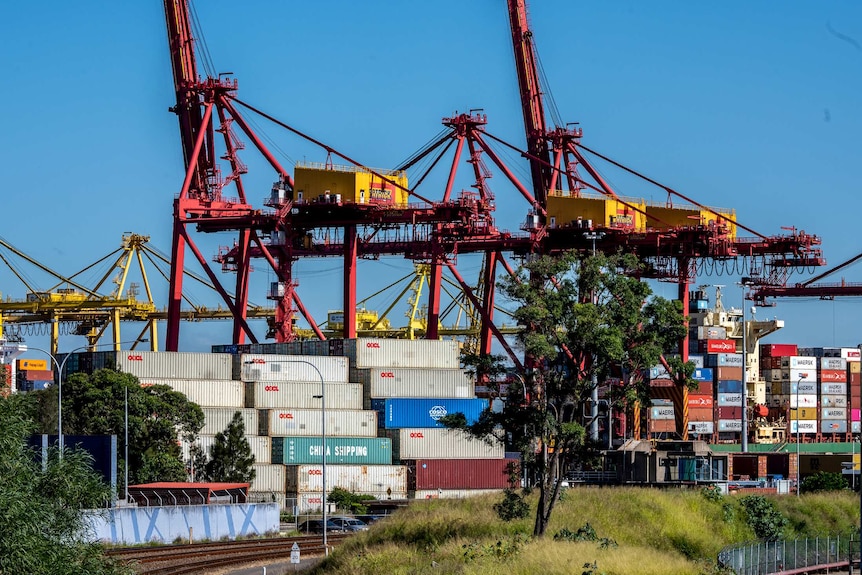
<point x="788" y="557"/>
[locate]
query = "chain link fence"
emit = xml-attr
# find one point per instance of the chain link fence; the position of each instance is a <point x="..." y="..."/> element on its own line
<point x="765" y="557"/>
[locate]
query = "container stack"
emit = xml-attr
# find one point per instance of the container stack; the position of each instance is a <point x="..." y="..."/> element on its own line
<point x="33" y="374"/>
<point x="701" y="404"/>
<point x="832" y="387"/>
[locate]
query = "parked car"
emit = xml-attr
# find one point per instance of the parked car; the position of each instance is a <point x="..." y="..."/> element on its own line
<point x="316" y="526"/>
<point x="369" y="519"/>
<point x="349" y="523"/>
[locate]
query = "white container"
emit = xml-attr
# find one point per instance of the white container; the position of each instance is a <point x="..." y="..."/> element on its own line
<point x="433" y="443"/>
<point x="396" y="382"/>
<point x="804" y="362"/>
<point x="833" y="389"/>
<point x="697" y="360"/>
<point x="833" y="363"/>
<point x="212" y="393"/>
<point x="730" y="425"/>
<point x="850" y="354"/>
<point x="284" y="368"/>
<point x="269" y="395"/>
<point x="661" y="412"/>
<point x="700" y="427"/>
<point x="269" y="478"/>
<point x="803" y="426"/>
<point x="451" y="493"/>
<point x="799" y="375"/>
<point x="360" y="479"/>
<point x="339" y="422"/>
<point x="802" y="401"/>
<point x="176" y="365"/>
<point x="422" y="353"/>
<point x="306" y="503"/>
<point x="729" y="399"/>
<point x="709" y="332"/>
<point x="833" y="401"/>
<point x="833" y="413"/>
<point x="260" y="447"/>
<point x="804" y="388"/>
<point x="216" y="419"/>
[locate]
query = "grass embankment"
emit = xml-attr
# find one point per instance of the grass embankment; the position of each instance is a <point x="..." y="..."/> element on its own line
<point x="657" y="532"/>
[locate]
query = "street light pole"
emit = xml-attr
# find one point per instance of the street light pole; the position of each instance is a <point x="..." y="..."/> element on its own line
<point x="798" y="413"/>
<point x="322" y="397"/>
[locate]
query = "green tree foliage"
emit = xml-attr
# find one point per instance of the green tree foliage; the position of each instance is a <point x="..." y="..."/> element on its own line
<point x="158" y="418"/>
<point x="823" y="481"/>
<point x="42" y="530"/>
<point x="583" y="316"/>
<point x="763" y="517"/>
<point x="349" y="501"/>
<point x="513" y="506"/>
<point x="230" y="457"/>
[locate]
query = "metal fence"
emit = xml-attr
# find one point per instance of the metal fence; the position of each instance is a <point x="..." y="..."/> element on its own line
<point x="765" y="557"/>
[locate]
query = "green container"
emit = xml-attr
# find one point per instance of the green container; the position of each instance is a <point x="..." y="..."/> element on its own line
<point x="350" y="450"/>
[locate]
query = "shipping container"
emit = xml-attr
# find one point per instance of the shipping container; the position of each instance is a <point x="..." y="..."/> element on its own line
<point x="206" y="393"/>
<point x="419" y="443"/>
<point x="731" y="425"/>
<point x="174" y="365"/>
<point x="728" y="373"/>
<point x="729" y="412"/>
<point x="700" y="414"/>
<point x="728" y="386"/>
<point x="833" y="413"/>
<point x="261" y="447"/>
<point x="269" y="478"/>
<point x="832" y="375"/>
<point x="797" y="375"/>
<point x="719" y="346"/>
<point x="853" y="368"/>
<point x="704" y="388"/>
<point x="833" y="389"/>
<point x="803" y="426"/>
<point x="799" y="362"/>
<point x="344" y="450"/>
<point x="855" y="426"/>
<point x="312" y="503"/>
<point x="854" y="414"/>
<point x="697" y="360"/>
<point x="851" y="354"/>
<point x="402" y="353"/>
<point x="797" y="400"/>
<point x="832" y="363"/>
<point x="268" y="395"/>
<point x="661" y="412"/>
<point x="290" y="368"/>
<point x="459" y="473"/>
<point x="773" y="375"/>
<point x="800" y="388"/>
<point x="833" y="426"/>
<point x="803" y="413"/>
<point x="399" y="382"/>
<point x="35" y="364"/>
<point x="778" y="349"/>
<point x="420" y="412"/>
<point x="37" y="375"/>
<point x="216" y="419"/>
<point x="699" y="401"/>
<point x="724" y="360"/>
<point x="663" y="382"/>
<point x="708" y="332"/>
<point x="697" y="427"/>
<point x="309" y="422"/>
<point x="359" y="479"/>
<point x="662" y="426"/>
<point x="833" y="401"/>
<point x="424" y="494"/>
<point x="703" y="374"/>
<point x="659" y="372"/>
<point x="729" y="399"/>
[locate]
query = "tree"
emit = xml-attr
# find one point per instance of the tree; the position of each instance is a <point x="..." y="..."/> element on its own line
<point x="230" y="457"/>
<point x="43" y="529"/>
<point x="158" y="416"/>
<point x="583" y="316"/>
<point x="824" y="481"/>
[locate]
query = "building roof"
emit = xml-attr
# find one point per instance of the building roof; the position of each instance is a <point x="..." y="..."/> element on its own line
<point x="184" y="485"/>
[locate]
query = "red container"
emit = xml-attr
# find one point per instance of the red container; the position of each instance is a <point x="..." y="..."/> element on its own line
<point x="832" y="376"/>
<point x="699" y="414"/>
<point x="662" y="425"/>
<point x="778" y="349"/>
<point x="855" y="379"/>
<point x="700" y="402"/>
<point x="728" y="412"/>
<point x="663" y="382"/>
<point x="458" y="473"/>
<point x="704" y="388"/>
<point x="728" y="373"/>
<point x="39" y="375"/>
<point x="770" y="363"/>
<point x="717" y="346"/>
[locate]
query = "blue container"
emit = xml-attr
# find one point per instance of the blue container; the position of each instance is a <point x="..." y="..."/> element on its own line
<point x="422" y="412"/>
<point x="729" y="386"/>
<point x="702" y="374"/>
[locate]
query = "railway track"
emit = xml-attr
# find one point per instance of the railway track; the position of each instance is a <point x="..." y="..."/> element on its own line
<point x="201" y="557"/>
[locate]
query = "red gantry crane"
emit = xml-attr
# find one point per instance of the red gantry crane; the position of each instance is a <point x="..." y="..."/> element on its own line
<point x="376" y="212"/>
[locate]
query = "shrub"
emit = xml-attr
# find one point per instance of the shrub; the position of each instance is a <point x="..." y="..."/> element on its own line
<point x="763" y="517"/>
<point x="349" y="501"/>
<point x="512" y="507"/>
<point x="823" y="481"/>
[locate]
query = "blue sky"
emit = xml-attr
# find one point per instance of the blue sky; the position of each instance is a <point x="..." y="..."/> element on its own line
<point x="754" y="106"/>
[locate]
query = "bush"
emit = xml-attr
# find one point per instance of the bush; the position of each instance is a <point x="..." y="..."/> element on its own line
<point x="349" y="501"/>
<point x="763" y="517"/>
<point x="512" y="507"/>
<point x="823" y="481"/>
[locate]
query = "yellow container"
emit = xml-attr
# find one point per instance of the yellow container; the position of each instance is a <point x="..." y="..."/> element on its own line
<point x="604" y="212"/>
<point x="805" y="413"/>
<point x="663" y="217"/>
<point x="854" y="366"/>
<point x="32" y="364"/>
<point x="315" y="182"/>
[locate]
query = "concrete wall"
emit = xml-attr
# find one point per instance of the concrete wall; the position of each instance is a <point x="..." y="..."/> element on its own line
<point x="132" y="525"/>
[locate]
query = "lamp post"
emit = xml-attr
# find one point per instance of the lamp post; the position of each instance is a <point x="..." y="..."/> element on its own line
<point x="322" y="397"/>
<point x="594" y="382"/>
<point x="745" y="282"/>
<point x="860" y="478"/>
<point x="798" y="413"/>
